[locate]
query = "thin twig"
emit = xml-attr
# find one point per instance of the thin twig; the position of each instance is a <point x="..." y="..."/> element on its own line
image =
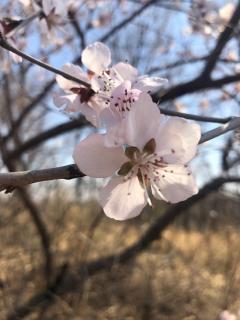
<point x="221" y="43"/>
<point x="195" y="117"/>
<point x="11" y="180"/>
<point x="22" y="178"/>
<point x="231" y="125"/>
<point x="23" y="24"/>
<point x="4" y="44"/>
<point x="123" y="23"/>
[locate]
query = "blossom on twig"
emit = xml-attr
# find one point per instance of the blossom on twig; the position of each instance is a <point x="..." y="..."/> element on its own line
<point x="113" y="89"/>
<point x="150" y="161"/>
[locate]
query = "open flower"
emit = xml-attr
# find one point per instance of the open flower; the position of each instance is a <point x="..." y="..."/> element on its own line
<point x="113" y="89"/>
<point x="53" y="18"/>
<point x="152" y="159"/>
<point x="121" y="87"/>
<point x="78" y="98"/>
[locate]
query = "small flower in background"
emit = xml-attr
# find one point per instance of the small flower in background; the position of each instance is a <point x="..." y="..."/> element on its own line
<point x="79" y="98"/>
<point x="102" y="20"/>
<point x="226" y="315"/>
<point x="6" y="26"/>
<point x="226" y="11"/>
<point x="150" y="159"/>
<point x="54" y="16"/>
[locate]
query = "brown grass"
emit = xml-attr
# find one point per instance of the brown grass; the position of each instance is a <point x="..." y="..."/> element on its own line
<point x="186" y="275"/>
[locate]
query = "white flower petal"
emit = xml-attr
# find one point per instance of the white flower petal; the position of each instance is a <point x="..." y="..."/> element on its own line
<point x="96" y="57"/>
<point x="116" y="135"/>
<point x="74" y="71"/>
<point x="71" y="103"/>
<point x="177" y="140"/>
<point x="142" y="121"/>
<point x="109" y="118"/>
<point x="149" y="84"/>
<point x="68" y="102"/>
<point x="125" y="71"/>
<point x="44" y="28"/>
<point x="123" y="200"/>
<point x="47" y="6"/>
<point x="174" y="184"/>
<point x="96" y="160"/>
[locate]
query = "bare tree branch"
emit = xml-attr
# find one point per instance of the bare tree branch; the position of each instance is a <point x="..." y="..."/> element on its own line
<point x="42" y="230"/>
<point x="182" y="62"/>
<point x="231" y="125"/>
<point x="48" y="134"/>
<point x="190" y="116"/>
<point x="23" y="178"/>
<point x="38" y="222"/>
<point x="123" y="23"/>
<point x="198" y="84"/>
<point x="222" y="41"/>
<point x="4" y="44"/>
<point x="11" y="180"/>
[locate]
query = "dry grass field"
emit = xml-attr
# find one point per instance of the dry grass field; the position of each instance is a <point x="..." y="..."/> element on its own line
<point x="191" y="273"/>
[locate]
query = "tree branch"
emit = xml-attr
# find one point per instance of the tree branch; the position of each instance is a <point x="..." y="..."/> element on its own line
<point x="126" y="21"/>
<point x="190" y="116"/>
<point x="231" y="125"/>
<point x="50" y="133"/>
<point x="4" y="44"/>
<point x="11" y="180"/>
<point x="198" y="84"/>
<point x="222" y="41"/>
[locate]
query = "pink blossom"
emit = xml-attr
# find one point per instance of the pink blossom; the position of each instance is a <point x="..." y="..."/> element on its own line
<point x="152" y="157"/>
<point x="226" y="315"/>
<point x="6" y="26"/>
<point x="78" y="98"/>
<point x="113" y="89"/>
<point x="121" y="86"/>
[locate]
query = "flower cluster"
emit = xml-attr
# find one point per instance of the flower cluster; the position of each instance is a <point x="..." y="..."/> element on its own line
<point x="55" y="15"/>
<point x="144" y="152"/>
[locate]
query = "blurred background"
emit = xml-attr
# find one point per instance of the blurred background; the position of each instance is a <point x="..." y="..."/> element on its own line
<point x="60" y="257"/>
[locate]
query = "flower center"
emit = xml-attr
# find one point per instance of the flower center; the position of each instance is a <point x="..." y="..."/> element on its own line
<point x="143" y="163"/>
<point x="106" y="82"/>
<point x="84" y="93"/>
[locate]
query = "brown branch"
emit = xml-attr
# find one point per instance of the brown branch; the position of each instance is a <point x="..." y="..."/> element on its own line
<point x="123" y="23"/>
<point x="204" y="81"/>
<point x="180" y="63"/>
<point x="48" y="134"/>
<point x="9" y="181"/>
<point x="41" y="228"/>
<point x="39" y="224"/>
<point x="195" y="117"/>
<point x="224" y="37"/>
<point x="4" y="44"/>
<point x="198" y="84"/>
<point x="29" y="108"/>
<point x="77" y="28"/>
